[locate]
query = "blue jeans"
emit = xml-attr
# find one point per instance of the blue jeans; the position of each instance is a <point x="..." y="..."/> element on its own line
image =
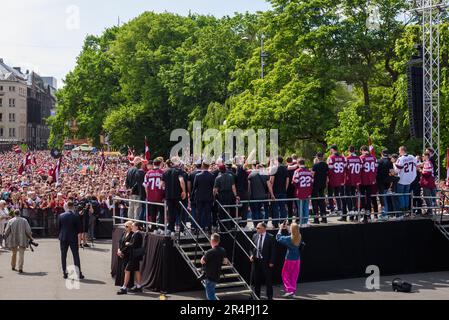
<point x="279" y="209"/>
<point x="210" y="290"/>
<point x="403" y="199"/>
<point x="303" y="210"/>
<point x="143" y="212"/>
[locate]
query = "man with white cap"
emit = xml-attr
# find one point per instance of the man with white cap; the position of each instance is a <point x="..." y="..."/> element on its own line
<point x="134" y="183"/>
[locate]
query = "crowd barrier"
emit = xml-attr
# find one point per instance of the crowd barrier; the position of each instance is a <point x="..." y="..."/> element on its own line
<point x="416" y="205"/>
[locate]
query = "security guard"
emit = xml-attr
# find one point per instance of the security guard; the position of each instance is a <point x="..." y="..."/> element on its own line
<point x="226" y="193"/>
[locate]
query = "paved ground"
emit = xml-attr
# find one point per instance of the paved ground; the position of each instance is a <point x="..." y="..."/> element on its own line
<point x="42" y="279"/>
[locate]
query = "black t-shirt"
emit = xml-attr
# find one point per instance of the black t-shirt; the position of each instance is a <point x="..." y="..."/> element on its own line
<point x="384" y="165"/>
<point x="241" y="181"/>
<point x="320" y="178"/>
<point x="172" y="185"/>
<point x="191" y="178"/>
<point x="214" y="260"/>
<point x="280" y="174"/>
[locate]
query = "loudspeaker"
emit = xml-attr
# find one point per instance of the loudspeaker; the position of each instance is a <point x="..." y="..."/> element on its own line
<point x="415" y="97"/>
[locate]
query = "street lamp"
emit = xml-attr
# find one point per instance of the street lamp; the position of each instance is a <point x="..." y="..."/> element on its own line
<point x="263" y="54"/>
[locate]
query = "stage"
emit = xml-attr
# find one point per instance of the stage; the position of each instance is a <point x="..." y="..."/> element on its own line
<point x="332" y="252"/>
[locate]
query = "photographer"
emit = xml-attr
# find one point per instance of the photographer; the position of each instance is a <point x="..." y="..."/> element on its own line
<point x="82" y="209"/>
<point x="17" y="235"/>
<point x="291" y="268"/>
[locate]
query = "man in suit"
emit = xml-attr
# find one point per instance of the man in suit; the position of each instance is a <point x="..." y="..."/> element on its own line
<point x="203" y="187"/>
<point x="69" y="228"/>
<point x="263" y="259"/>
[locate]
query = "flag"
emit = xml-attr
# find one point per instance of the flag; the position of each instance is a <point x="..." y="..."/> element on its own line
<point x="17" y="149"/>
<point x="33" y="160"/>
<point x="22" y="166"/>
<point x="28" y="160"/>
<point x="447" y="167"/>
<point x="147" y="150"/>
<point x="371" y="147"/>
<point x="130" y="154"/>
<point x="57" y="170"/>
<point x="103" y="161"/>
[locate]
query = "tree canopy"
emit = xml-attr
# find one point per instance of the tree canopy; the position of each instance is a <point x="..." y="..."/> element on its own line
<point x="329" y="77"/>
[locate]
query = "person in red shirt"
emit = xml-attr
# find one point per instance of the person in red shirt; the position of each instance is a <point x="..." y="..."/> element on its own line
<point x="336" y="164"/>
<point x="353" y="180"/>
<point x="303" y="182"/>
<point x="155" y="193"/>
<point x="369" y="172"/>
<point x="427" y="182"/>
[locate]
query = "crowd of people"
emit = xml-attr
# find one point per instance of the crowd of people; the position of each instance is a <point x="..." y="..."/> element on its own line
<point x="41" y="199"/>
<point x="353" y="184"/>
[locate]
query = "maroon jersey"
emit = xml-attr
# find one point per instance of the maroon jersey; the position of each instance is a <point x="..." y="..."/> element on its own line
<point x="152" y="184"/>
<point x="303" y="181"/>
<point x="353" y="171"/>
<point x="427" y="177"/>
<point x="369" y="170"/>
<point x="337" y="166"/>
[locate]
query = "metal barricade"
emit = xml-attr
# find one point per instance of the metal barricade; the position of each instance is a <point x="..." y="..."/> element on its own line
<point x="147" y="223"/>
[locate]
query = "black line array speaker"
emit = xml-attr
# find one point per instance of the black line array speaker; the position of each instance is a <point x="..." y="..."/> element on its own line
<point x="415" y="95"/>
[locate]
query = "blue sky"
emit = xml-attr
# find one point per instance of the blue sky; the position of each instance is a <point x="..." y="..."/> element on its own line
<point x="47" y="35"/>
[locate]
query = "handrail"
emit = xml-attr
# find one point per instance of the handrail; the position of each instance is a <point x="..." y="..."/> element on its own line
<point x="140" y="201"/>
<point x="238" y="226"/>
<point x="193" y="220"/>
<point x="141" y="221"/>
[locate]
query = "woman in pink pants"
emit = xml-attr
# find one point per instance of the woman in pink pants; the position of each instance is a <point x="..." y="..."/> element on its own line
<point x="290" y="271"/>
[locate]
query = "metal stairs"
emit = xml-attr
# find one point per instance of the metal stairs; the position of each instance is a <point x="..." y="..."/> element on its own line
<point x="440" y="222"/>
<point x="192" y="248"/>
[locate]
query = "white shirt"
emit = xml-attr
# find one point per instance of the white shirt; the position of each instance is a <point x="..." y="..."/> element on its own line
<point x="406" y="166"/>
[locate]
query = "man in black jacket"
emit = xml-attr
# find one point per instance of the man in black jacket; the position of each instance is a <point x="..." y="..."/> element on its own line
<point x="134" y="182"/>
<point x="263" y="259"/>
<point x="320" y="171"/>
<point x="383" y="180"/>
<point x="203" y="187"/>
<point x="69" y="228"/>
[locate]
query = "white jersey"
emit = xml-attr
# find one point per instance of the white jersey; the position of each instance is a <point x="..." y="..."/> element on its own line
<point x="406" y="166"/>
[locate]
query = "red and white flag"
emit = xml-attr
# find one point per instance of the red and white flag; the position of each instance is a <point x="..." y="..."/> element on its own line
<point x="17" y="149"/>
<point x="147" y="150"/>
<point x="371" y="147"/>
<point x="57" y="171"/>
<point x="33" y="160"/>
<point x="130" y="154"/>
<point x="103" y="161"/>
<point x="23" y="165"/>
<point x="447" y="167"/>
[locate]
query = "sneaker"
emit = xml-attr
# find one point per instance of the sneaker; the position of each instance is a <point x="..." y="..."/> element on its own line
<point x="288" y="295"/>
<point x="156" y="232"/>
<point x="66" y="275"/>
<point x="342" y="219"/>
<point x="122" y="291"/>
<point x="135" y="289"/>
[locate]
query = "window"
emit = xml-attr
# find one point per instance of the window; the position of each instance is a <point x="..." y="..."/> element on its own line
<point x="12" y="88"/>
<point x="12" y="132"/>
<point x="1" y="88"/>
<point x="12" y="117"/>
<point x="1" y="132"/>
<point x="1" y="117"/>
<point x="1" y="102"/>
<point x="12" y="103"/>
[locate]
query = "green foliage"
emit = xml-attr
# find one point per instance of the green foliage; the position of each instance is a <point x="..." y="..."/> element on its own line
<point x="329" y="79"/>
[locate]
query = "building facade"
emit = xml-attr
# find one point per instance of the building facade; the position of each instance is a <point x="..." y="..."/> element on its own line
<point x="26" y="101"/>
<point x="13" y="106"/>
<point x="40" y="102"/>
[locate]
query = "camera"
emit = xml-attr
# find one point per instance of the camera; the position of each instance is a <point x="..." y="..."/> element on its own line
<point x="32" y="243"/>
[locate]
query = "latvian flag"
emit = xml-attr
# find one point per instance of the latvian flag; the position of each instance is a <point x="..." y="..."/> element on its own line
<point x="371" y="147"/>
<point x="57" y="170"/>
<point x="147" y="150"/>
<point x="17" y="149"/>
<point x="23" y="165"/>
<point x="103" y="161"/>
<point x="130" y="154"/>
<point x="33" y="160"/>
